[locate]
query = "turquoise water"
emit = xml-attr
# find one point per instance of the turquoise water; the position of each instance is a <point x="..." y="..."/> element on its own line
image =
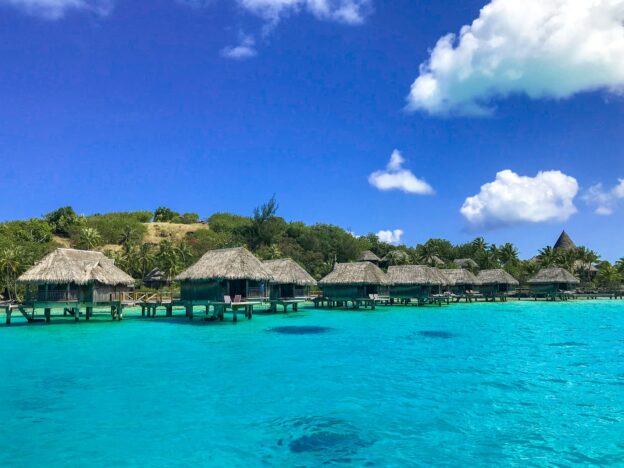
<point x="524" y="384"/>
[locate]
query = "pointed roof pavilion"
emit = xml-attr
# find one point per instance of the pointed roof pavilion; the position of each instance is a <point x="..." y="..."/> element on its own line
<point x="564" y="243"/>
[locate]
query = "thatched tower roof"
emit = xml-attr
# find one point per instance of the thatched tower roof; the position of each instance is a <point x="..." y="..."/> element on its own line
<point x="287" y="271"/>
<point x="67" y="266"/>
<point x="460" y="277"/>
<point x="356" y="273"/>
<point x="466" y="263"/>
<point x="554" y="276"/>
<point x="368" y="256"/>
<point x="564" y="243"/>
<point x="415" y="275"/>
<point x="499" y="276"/>
<point x="228" y="264"/>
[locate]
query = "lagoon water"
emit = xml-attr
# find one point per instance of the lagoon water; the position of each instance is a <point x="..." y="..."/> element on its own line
<point x="524" y="384"/>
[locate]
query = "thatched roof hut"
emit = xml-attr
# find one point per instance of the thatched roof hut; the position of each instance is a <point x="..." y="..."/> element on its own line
<point x="565" y="243"/>
<point x="496" y="277"/>
<point x="554" y="276"/>
<point x="226" y="264"/>
<point x="355" y="274"/>
<point x="368" y="256"/>
<point x="460" y="276"/>
<point x="79" y="267"/>
<point x="415" y="274"/>
<point x="287" y="271"/>
<point x="466" y="263"/>
<point x="396" y="257"/>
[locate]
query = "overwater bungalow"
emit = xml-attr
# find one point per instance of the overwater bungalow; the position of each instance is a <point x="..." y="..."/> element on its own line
<point x="222" y="278"/>
<point x="361" y="283"/>
<point x="553" y="283"/>
<point x="290" y="284"/>
<point x="75" y="280"/>
<point x="496" y="284"/>
<point x="368" y="256"/>
<point x="461" y="283"/>
<point x="414" y="282"/>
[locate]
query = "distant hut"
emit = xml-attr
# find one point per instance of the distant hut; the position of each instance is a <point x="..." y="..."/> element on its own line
<point x="496" y="283"/>
<point x="466" y="263"/>
<point x="460" y="282"/>
<point x="354" y="282"/>
<point x="418" y="282"/>
<point x="289" y="281"/>
<point x="72" y="279"/>
<point x="226" y="272"/>
<point x="155" y="279"/>
<point x="437" y="261"/>
<point x="368" y="256"/>
<point x="395" y="257"/>
<point x="552" y="282"/>
<point x="565" y="243"/>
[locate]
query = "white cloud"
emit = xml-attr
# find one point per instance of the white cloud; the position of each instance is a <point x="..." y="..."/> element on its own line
<point x="605" y="201"/>
<point x="55" y="9"/>
<point x="395" y="177"/>
<point x="514" y="199"/>
<point x="342" y="11"/>
<point x="390" y="237"/>
<point x="244" y="50"/>
<point x="539" y="48"/>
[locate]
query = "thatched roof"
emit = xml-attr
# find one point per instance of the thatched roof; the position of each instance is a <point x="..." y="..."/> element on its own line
<point x="564" y="242"/>
<point x="228" y="264"/>
<point x="498" y="276"/>
<point x="368" y="256"/>
<point x="356" y="273"/>
<point x="415" y="274"/>
<point x="65" y="266"/>
<point x="466" y="263"/>
<point x="460" y="276"/>
<point x="155" y="275"/>
<point x="554" y="276"/>
<point x="287" y="271"/>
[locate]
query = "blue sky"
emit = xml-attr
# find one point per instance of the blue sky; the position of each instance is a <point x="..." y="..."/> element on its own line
<point x="216" y="105"/>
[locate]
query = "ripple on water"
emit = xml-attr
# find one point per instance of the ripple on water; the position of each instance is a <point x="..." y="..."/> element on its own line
<point x="302" y="330"/>
<point x="568" y="344"/>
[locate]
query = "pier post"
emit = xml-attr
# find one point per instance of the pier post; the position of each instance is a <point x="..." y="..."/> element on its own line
<point x="189" y="312"/>
<point x="169" y="311"/>
<point x="142" y="310"/>
<point x="46" y="313"/>
<point x="76" y="311"/>
<point x="234" y="313"/>
<point x="89" y="313"/>
<point x="8" y="312"/>
<point x="120" y="314"/>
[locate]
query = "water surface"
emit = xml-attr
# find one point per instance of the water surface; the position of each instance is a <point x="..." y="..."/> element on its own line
<point x="525" y="384"/>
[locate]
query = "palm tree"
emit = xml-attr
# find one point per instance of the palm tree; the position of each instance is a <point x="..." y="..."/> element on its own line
<point x="566" y="259"/>
<point x="126" y="238"/>
<point x="479" y="245"/>
<point x="609" y="276"/>
<point x="89" y="238"/>
<point x="12" y="264"/>
<point x="169" y="258"/>
<point x="488" y="259"/>
<point x="426" y="254"/>
<point x="508" y="254"/>
<point x="145" y="259"/>
<point x="547" y="257"/>
<point x="620" y="265"/>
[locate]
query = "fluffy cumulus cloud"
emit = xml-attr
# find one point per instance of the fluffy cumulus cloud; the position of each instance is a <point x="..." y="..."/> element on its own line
<point x="538" y="48"/>
<point x="604" y="201"/>
<point x="343" y="11"/>
<point x="244" y="50"/>
<point x="396" y="177"/>
<point x="391" y="237"/>
<point x="513" y="199"/>
<point x="55" y="9"/>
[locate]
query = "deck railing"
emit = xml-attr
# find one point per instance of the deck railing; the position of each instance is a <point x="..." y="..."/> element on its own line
<point x="145" y="296"/>
<point x="55" y="296"/>
<point x="256" y="293"/>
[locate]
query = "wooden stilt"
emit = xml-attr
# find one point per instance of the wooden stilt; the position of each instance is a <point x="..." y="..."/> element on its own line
<point x="46" y="313"/>
<point x="76" y="311"/>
